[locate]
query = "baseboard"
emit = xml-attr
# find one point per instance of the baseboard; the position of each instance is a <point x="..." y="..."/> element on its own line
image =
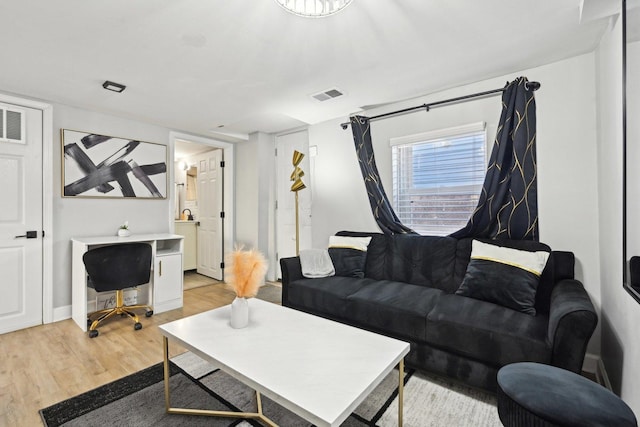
<point x="590" y="363"/>
<point x="602" y="377"/>
<point x="62" y="313"/>
<point x="593" y="365"/>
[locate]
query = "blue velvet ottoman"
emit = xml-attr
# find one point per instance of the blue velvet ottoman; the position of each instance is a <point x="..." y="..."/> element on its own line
<point x="536" y="395"/>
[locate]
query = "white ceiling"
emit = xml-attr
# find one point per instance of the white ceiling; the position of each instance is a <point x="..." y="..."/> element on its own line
<point x="184" y="149"/>
<point x="248" y="65"/>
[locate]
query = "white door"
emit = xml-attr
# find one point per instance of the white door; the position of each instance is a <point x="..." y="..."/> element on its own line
<point x="210" y="238"/>
<point x="20" y="215"/>
<point x="285" y="215"/>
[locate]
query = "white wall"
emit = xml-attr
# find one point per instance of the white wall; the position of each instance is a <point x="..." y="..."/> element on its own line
<point x="98" y="217"/>
<point x="566" y="143"/>
<point x="255" y="196"/>
<point x="179" y="177"/>
<point x="339" y="197"/>
<point x="247" y="190"/>
<point x="620" y="313"/>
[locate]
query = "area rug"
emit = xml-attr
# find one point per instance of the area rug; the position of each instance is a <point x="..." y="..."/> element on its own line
<point x="270" y="293"/>
<point x="138" y="400"/>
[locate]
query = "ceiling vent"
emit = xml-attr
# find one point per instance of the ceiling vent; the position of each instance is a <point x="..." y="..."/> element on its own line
<point x="328" y="94"/>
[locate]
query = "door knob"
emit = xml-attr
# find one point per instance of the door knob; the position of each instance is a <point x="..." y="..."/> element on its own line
<point x="30" y="235"/>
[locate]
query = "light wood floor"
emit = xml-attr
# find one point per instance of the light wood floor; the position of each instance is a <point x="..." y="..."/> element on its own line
<point x="46" y="364"/>
<point x="195" y="280"/>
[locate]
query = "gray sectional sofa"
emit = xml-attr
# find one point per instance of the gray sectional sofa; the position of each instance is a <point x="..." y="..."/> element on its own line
<point x="408" y="292"/>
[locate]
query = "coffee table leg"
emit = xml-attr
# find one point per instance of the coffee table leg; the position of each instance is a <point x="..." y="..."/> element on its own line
<point x="400" y="391"/>
<point x="165" y="343"/>
<point x="259" y="401"/>
<point x="259" y="415"/>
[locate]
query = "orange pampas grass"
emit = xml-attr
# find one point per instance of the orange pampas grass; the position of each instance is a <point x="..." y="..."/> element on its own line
<point x="246" y="271"/>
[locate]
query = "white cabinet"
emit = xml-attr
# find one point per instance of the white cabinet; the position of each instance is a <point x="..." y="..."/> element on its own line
<point x="167" y="282"/>
<point x="188" y="229"/>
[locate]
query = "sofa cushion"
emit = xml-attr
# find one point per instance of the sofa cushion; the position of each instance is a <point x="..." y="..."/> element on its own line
<point x="487" y="332"/>
<point x="377" y="254"/>
<point x="423" y="260"/>
<point x="399" y="309"/>
<point x="324" y="295"/>
<point x="553" y="271"/>
<point x="348" y="255"/>
<point x="504" y="276"/>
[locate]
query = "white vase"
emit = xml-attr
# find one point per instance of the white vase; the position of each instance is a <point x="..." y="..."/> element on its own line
<point x="239" y="313"/>
<point x="123" y="232"/>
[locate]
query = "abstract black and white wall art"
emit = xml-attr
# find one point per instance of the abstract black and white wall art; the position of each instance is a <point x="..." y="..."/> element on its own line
<point x="104" y="166"/>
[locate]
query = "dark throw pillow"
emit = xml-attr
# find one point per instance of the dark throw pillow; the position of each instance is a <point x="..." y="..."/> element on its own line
<point x="349" y="255"/>
<point x="504" y="276"/>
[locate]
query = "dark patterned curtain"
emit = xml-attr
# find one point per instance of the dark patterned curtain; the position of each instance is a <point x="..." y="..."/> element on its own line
<point x="508" y="205"/>
<point x="382" y="210"/>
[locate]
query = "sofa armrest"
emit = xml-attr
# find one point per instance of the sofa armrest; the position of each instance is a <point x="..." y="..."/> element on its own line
<point x="291" y="271"/>
<point x="572" y="320"/>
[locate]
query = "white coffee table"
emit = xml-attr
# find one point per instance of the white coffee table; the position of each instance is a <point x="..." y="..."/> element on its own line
<point x="319" y="369"/>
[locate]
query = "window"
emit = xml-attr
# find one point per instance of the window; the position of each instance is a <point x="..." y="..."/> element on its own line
<point x="11" y="124"/>
<point x="438" y="177"/>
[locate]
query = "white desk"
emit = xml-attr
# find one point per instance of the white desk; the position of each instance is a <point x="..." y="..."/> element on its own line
<point x="164" y="291"/>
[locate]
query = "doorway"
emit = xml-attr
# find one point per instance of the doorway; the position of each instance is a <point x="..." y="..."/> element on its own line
<point x="202" y="208"/>
<point x="25" y="141"/>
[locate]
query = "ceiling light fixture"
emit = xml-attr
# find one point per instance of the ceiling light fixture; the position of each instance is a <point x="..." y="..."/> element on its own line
<point x="116" y="87"/>
<point x="313" y="8"/>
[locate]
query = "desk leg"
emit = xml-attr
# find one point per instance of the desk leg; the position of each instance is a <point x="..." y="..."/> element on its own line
<point x="400" y="391"/>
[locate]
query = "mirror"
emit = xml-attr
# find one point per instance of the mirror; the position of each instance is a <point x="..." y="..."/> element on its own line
<point x="631" y="145"/>
<point x="192" y="192"/>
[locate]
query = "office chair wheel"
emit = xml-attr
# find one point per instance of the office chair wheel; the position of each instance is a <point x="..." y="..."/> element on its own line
<point x="137" y="326"/>
<point x="93" y="334"/>
<point x="149" y="313"/>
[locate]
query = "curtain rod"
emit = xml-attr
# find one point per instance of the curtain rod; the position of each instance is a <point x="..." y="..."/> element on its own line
<point x="528" y="86"/>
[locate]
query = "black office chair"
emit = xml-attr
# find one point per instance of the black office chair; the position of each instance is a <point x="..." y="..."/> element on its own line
<point x="114" y="268"/>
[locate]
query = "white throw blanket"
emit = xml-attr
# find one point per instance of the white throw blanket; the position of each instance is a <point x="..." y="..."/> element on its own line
<point x="316" y="263"/>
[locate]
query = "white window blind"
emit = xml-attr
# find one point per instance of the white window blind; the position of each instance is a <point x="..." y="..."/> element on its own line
<point x="438" y="177"/>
